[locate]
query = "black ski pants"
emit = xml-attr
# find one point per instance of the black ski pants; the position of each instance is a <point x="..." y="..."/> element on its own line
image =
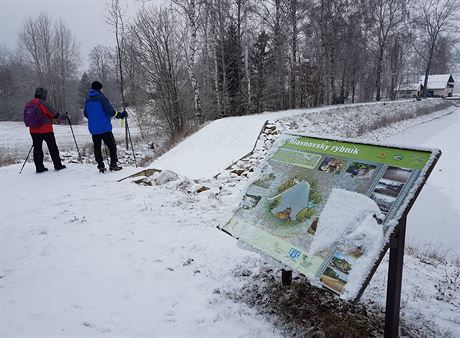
<point x="109" y="141"/>
<point x="37" y="140"/>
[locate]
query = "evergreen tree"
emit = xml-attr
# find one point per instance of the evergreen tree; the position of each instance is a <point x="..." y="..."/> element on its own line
<point x="233" y="60"/>
<point x="258" y="64"/>
<point x="83" y="88"/>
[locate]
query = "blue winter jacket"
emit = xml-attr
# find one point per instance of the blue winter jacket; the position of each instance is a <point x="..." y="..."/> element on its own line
<point x="98" y="111"/>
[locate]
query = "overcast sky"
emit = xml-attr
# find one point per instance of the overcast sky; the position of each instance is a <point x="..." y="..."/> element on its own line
<point x="83" y="17"/>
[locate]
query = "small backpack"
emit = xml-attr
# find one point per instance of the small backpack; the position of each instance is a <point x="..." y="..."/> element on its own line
<point x="33" y="116"/>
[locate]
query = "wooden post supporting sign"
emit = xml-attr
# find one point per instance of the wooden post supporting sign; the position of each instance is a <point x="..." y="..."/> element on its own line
<point x="286" y="277"/>
<point x="395" y="269"/>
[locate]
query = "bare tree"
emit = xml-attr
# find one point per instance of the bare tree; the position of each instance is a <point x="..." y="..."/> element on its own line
<point x="36" y="39"/>
<point x="54" y="55"/>
<point x="191" y="13"/>
<point x="65" y="63"/>
<point x="274" y="17"/>
<point x="220" y="19"/>
<point x="15" y="84"/>
<point x="158" y="46"/>
<point x="100" y="63"/>
<point x="216" y="50"/>
<point x="329" y="20"/>
<point x="246" y="41"/>
<point x="294" y="31"/>
<point x="136" y="94"/>
<point x="205" y="63"/>
<point x="444" y="60"/>
<point x="280" y="56"/>
<point x="433" y="19"/>
<point x="115" y="17"/>
<point x="104" y="67"/>
<point x="384" y="17"/>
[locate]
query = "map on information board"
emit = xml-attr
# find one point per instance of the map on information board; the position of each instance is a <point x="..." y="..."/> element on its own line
<point x="326" y="208"/>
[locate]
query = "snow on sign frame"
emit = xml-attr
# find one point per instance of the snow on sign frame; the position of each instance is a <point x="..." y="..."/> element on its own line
<point x="328" y="207"/>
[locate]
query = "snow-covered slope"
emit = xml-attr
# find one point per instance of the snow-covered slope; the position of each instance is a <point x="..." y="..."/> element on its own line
<point x="217" y="145"/>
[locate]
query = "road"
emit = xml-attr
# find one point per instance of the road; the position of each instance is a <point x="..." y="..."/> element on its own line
<point x="435" y="217"/>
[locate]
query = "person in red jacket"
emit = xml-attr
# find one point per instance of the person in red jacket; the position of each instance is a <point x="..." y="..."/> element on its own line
<point x="44" y="132"/>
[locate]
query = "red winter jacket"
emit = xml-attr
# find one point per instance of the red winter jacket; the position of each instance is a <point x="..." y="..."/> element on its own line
<point x="49" y="113"/>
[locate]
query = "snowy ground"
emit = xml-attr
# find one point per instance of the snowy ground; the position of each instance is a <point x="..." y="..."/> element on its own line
<point x="82" y="255"/>
<point x="428" y="221"/>
<point x="92" y="257"/>
<point x="15" y="139"/>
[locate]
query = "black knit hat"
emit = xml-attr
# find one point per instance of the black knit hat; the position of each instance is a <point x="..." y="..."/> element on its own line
<point x="96" y="85"/>
<point x="41" y="93"/>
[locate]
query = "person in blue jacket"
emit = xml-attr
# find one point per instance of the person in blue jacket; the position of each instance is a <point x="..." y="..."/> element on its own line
<point x="99" y="112"/>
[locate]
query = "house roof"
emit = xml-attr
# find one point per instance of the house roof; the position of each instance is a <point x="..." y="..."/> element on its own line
<point x="437" y="81"/>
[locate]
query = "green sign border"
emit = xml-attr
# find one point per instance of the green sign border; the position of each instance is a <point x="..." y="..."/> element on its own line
<point x="393" y="156"/>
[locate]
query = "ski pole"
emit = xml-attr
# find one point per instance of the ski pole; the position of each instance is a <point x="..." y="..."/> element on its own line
<point x="26" y="158"/>
<point x="70" y="124"/>
<point x="131" y="141"/>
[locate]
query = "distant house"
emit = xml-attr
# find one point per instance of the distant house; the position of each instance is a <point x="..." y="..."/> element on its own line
<point x="439" y="85"/>
<point x="409" y="90"/>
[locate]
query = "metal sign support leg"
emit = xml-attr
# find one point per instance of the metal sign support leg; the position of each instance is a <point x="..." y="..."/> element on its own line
<point x="394" y="281"/>
<point x="286" y="277"/>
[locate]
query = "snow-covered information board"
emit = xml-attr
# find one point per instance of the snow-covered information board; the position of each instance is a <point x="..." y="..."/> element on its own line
<point x="327" y="208"/>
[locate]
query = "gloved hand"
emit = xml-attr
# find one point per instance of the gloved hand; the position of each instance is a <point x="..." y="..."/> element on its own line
<point x="122" y="115"/>
<point x="61" y="118"/>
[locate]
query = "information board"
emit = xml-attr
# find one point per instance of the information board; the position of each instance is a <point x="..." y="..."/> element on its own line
<point x="327" y="208"/>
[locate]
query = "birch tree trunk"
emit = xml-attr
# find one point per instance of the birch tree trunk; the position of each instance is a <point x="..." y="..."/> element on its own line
<point x="279" y="55"/>
<point x="215" y="62"/>
<point x="378" y="74"/>
<point x="246" y="42"/>
<point x="190" y="12"/>
<point x="293" y="52"/>
<point x="221" y="22"/>
<point x="191" y="62"/>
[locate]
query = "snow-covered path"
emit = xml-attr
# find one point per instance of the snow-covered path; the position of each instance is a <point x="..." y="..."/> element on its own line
<point x="223" y="141"/>
<point x="435" y="218"/>
<point x="83" y="255"/>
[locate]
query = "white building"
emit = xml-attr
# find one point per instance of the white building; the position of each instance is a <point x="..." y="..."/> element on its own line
<point x="409" y="90"/>
<point x="439" y="85"/>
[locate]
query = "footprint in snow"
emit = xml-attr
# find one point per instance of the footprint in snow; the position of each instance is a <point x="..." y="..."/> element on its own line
<point x="92" y="326"/>
<point x="170" y="317"/>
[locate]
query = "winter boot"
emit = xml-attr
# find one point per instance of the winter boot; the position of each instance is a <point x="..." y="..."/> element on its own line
<point x="101" y="168"/>
<point x="41" y="170"/>
<point x="60" y="167"/>
<point x="115" y="167"/>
